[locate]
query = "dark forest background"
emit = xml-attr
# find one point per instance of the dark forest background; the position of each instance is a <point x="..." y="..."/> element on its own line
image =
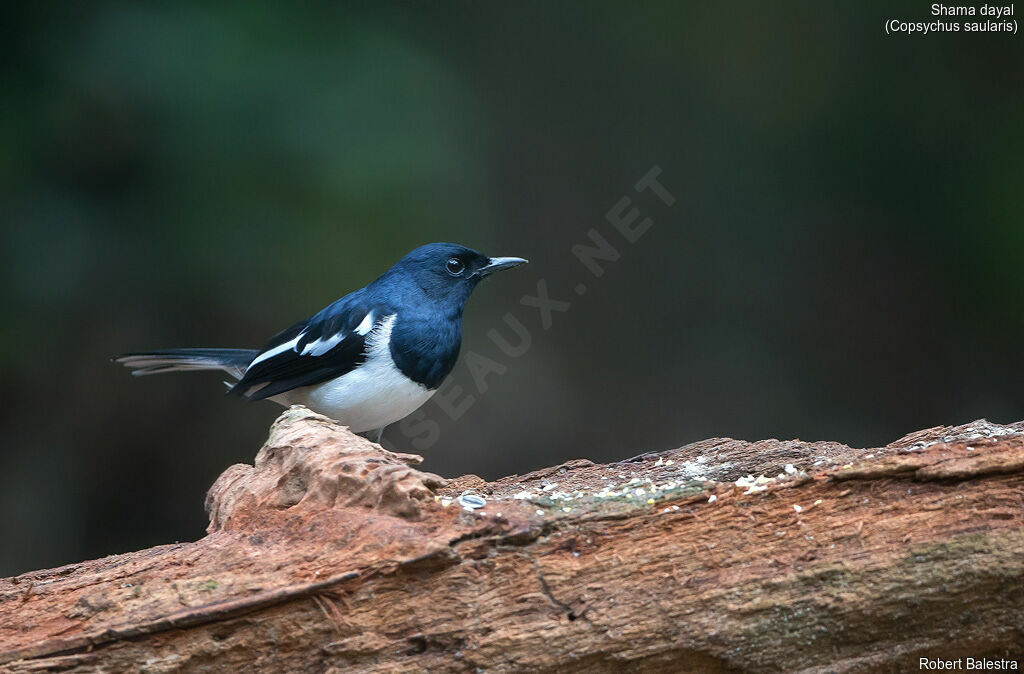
<point x="844" y="261"/>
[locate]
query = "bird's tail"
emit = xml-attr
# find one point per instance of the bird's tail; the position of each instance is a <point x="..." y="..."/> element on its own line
<point x="232" y="361"/>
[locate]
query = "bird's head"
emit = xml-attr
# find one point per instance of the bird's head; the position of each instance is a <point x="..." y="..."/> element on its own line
<point x="447" y="272"/>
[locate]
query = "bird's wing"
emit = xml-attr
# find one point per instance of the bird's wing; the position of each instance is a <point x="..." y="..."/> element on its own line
<point x="329" y="345"/>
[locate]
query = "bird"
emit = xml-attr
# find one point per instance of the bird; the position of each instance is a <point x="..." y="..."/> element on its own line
<point x="366" y="360"/>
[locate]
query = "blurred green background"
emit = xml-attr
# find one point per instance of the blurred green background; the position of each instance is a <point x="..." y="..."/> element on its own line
<point x="845" y="260"/>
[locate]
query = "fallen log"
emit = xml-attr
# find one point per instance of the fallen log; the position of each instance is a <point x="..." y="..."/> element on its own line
<point x="332" y="554"/>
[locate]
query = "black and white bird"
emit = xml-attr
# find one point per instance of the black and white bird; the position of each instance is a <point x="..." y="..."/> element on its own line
<point x="368" y="359"/>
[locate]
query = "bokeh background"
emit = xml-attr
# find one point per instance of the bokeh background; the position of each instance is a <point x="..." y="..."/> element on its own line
<point x="845" y="259"/>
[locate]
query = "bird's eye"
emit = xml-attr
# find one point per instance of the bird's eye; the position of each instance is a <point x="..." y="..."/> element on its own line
<point x="454" y="266"/>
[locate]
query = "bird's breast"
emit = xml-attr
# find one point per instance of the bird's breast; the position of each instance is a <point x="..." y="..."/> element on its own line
<point x="425" y="348"/>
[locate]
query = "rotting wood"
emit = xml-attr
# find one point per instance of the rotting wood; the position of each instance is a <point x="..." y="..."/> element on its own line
<point x="331" y="554"/>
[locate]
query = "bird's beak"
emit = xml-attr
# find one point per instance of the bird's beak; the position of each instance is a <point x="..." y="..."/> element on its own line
<point x="498" y="263"/>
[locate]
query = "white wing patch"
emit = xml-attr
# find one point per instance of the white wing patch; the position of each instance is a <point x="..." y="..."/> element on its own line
<point x="366" y="325"/>
<point x="322" y="346"/>
<point x="315" y="348"/>
<point x="270" y="353"/>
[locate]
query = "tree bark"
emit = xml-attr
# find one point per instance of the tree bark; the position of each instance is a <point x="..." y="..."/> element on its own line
<point x="332" y="554"/>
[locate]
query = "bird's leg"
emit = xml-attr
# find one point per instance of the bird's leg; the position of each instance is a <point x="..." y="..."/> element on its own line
<point x="373" y="435"/>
